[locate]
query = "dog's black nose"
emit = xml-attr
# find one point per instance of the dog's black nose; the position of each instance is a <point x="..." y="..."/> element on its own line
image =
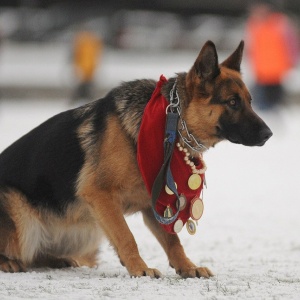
<point x="265" y="134"/>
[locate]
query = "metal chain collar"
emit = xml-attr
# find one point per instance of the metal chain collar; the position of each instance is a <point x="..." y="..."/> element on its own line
<point x="188" y="139"/>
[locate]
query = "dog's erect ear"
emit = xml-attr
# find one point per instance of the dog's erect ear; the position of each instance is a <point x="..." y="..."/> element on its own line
<point x="234" y="60"/>
<point x="206" y="64"/>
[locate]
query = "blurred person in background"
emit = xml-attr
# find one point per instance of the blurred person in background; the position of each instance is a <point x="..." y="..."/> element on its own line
<point x="272" y="48"/>
<point x="86" y="54"/>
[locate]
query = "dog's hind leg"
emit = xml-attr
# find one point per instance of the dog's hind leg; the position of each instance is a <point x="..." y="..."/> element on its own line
<point x="11" y="265"/>
<point x="9" y="243"/>
<point x="49" y="261"/>
<point x="89" y="260"/>
<point x="174" y="250"/>
<point x="20" y="232"/>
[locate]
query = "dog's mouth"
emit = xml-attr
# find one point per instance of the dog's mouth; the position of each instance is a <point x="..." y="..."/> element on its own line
<point x="233" y="140"/>
<point x="222" y="135"/>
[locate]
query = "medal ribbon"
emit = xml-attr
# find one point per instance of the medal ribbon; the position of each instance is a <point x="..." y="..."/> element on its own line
<point x="165" y="173"/>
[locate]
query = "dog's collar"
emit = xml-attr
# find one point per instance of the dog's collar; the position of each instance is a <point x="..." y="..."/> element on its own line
<point x="185" y="203"/>
<point x="187" y="138"/>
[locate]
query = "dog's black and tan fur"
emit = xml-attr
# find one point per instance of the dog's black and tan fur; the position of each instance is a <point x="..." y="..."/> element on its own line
<point x="70" y="181"/>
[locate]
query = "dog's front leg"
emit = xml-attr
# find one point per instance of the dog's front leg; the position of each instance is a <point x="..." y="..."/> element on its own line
<point x="108" y="212"/>
<point x="174" y="250"/>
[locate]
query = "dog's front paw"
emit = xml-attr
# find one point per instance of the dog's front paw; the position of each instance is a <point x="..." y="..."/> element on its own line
<point x="153" y="273"/>
<point x="193" y="272"/>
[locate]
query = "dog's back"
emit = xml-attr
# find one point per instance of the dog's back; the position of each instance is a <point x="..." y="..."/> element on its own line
<point x="44" y="164"/>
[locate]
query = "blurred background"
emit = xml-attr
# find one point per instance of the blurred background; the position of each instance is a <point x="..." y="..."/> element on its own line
<point x="78" y="50"/>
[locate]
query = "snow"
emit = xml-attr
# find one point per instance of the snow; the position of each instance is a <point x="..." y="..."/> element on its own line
<point x="248" y="235"/>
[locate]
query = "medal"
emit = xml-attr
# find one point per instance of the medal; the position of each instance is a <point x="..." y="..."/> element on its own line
<point x="178" y="226"/>
<point x="182" y="202"/>
<point x="191" y="227"/>
<point x="168" y="213"/>
<point x="196" y="209"/>
<point x="194" y="181"/>
<point x="168" y="190"/>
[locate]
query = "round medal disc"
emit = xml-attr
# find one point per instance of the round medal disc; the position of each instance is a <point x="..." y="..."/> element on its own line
<point x="182" y="202"/>
<point x="196" y="209"/>
<point x="178" y="226"/>
<point x="194" y="181"/>
<point x="191" y="227"/>
<point x="168" y="191"/>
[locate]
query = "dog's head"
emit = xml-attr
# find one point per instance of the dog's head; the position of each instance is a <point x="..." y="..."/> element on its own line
<point x="218" y="104"/>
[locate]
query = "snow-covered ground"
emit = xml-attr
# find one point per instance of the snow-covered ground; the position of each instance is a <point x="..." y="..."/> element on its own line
<point x="248" y="236"/>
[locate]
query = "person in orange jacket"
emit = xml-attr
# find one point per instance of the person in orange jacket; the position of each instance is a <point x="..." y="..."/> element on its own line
<point x="87" y="51"/>
<point x="272" y="47"/>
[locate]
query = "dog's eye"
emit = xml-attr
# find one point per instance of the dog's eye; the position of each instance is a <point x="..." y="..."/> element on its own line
<point x="232" y="102"/>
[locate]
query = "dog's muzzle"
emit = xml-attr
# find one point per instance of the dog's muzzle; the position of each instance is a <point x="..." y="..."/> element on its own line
<point x="264" y="135"/>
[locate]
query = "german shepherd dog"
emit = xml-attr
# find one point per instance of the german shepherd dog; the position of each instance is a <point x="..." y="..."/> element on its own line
<point x="70" y="181"/>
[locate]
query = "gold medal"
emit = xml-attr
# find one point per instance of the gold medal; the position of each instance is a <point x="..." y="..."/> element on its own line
<point x="168" y="191"/>
<point x="168" y="213"/>
<point x="182" y="202"/>
<point x="194" y="181"/>
<point x="191" y="227"/>
<point x="178" y="226"/>
<point x="196" y="209"/>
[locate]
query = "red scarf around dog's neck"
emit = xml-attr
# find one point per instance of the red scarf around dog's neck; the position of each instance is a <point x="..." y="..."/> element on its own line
<point x="150" y="156"/>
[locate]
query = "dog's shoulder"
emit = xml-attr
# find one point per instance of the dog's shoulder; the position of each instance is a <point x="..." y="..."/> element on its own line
<point x="131" y="98"/>
<point x="127" y="102"/>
